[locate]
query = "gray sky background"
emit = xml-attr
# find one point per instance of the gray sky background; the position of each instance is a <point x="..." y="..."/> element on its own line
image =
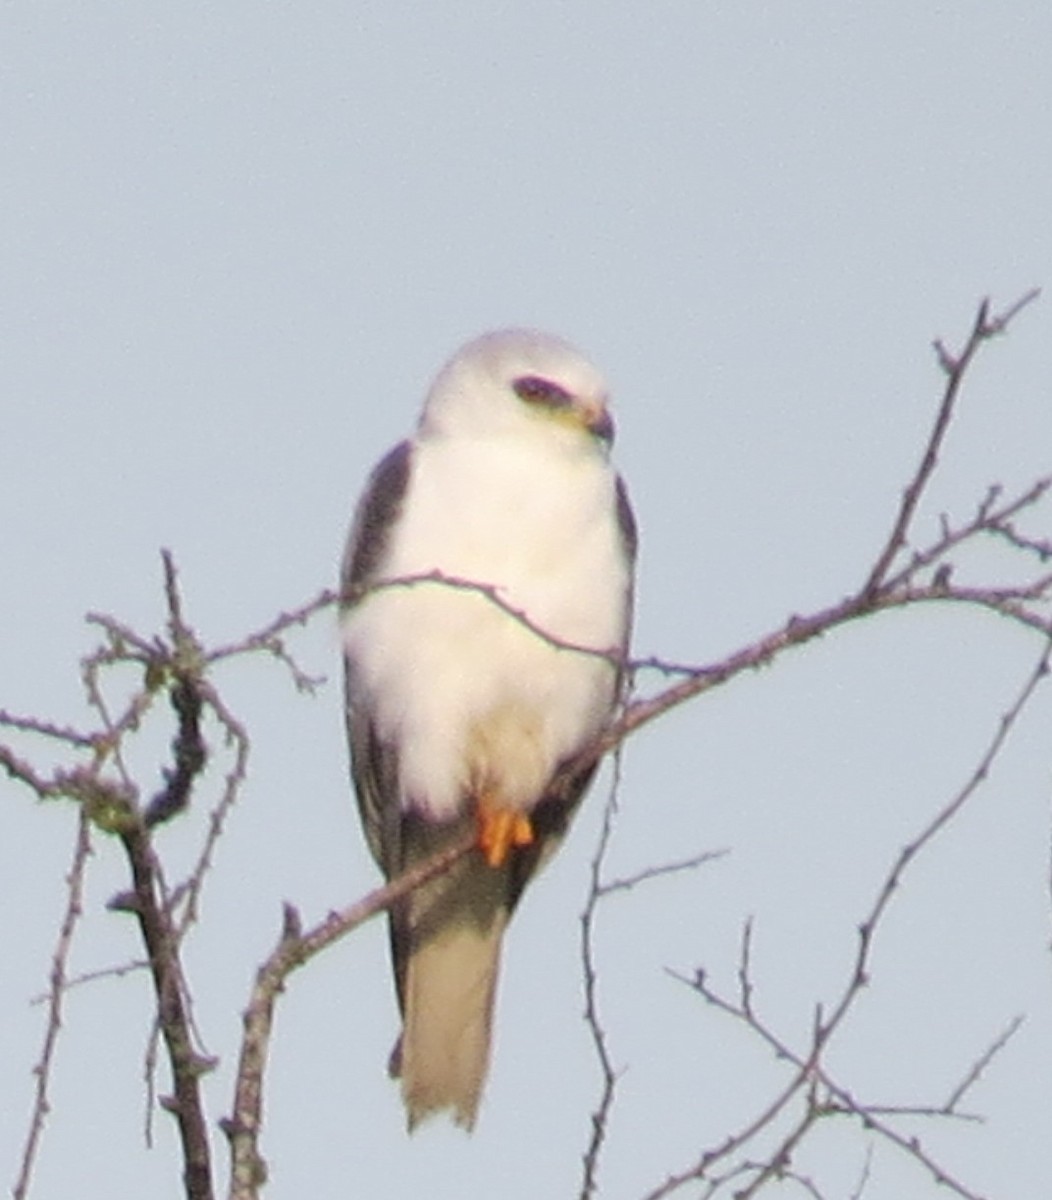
<point x="237" y="240"/>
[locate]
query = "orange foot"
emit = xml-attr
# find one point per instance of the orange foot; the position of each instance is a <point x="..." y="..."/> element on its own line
<point x="499" y="829"/>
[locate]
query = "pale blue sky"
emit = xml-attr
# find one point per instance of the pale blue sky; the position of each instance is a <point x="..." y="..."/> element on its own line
<point x="235" y="243"/>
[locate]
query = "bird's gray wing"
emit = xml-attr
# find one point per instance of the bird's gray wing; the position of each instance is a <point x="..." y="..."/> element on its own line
<point x="626" y="524"/>
<point x="377" y="511"/>
<point x="374" y="764"/>
<point x="629" y="531"/>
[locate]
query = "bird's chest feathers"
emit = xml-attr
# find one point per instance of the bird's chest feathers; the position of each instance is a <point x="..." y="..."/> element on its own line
<point x="472" y="696"/>
<point x="527" y="523"/>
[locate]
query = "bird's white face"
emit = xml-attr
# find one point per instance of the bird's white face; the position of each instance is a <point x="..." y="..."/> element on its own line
<point x="515" y="379"/>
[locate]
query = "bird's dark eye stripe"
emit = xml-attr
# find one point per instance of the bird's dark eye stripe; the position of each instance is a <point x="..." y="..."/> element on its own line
<point x="536" y="390"/>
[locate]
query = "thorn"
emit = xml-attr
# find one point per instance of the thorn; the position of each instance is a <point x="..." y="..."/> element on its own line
<point x="124" y="902"/>
<point x="292" y="923"/>
<point x="946" y="360"/>
<point x="203" y="1064"/>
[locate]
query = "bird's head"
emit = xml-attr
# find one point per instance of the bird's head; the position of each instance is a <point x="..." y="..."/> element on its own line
<point x="514" y="379"/>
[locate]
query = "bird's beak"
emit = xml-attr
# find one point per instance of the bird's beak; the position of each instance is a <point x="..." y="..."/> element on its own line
<point x="596" y="418"/>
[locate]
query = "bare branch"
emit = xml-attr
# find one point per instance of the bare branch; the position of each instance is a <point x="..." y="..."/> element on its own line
<point x="189" y="753"/>
<point x="627" y="882"/>
<point x="266" y="638"/>
<point x="1007" y="602"/>
<point x="17" y="768"/>
<point x="735" y="1141"/>
<point x="187" y="1065"/>
<point x="745" y="985"/>
<point x="100" y="973"/>
<point x="809" y="1065"/>
<point x="777" y="1164"/>
<point x="864" y="1175"/>
<point x="294" y="949"/>
<point x="987" y="519"/>
<point x="62" y="733"/>
<point x="982" y="1062"/>
<point x="176" y="664"/>
<point x="190" y="894"/>
<point x="867" y="929"/>
<point x="56" y="994"/>
<point x="608" y="1075"/>
<point x="955" y="367"/>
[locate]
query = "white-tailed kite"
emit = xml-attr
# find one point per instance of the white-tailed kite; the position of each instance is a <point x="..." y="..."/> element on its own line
<point x="460" y="713"/>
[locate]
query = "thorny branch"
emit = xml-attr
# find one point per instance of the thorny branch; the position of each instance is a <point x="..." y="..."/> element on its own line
<point x="810" y="1068"/>
<point x="178" y="666"/>
<point x="294" y="949"/>
<point x="925" y="576"/>
<point x="147" y="902"/>
<point x="169" y="667"/>
<point x="56" y="995"/>
<point x="607" y="1072"/>
<point x="977" y="1069"/>
<point x="955" y="367"/>
<point x="599" y="890"/>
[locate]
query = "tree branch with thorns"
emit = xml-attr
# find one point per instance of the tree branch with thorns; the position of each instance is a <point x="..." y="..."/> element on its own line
<point x="177" y="666"/>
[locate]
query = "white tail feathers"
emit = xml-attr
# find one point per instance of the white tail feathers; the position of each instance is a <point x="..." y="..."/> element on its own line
<point x="449" y="991"/>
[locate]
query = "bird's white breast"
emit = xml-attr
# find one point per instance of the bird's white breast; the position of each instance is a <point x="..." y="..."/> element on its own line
<point x="471" y="698"/>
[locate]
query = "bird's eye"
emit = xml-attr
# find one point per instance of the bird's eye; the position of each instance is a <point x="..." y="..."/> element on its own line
<point x="536" y="390"/>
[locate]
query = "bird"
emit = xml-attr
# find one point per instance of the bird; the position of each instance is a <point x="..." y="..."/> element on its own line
<point x="486" y="602"/>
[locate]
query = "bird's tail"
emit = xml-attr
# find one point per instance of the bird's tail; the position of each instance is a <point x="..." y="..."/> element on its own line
<point x="450" y="984"/>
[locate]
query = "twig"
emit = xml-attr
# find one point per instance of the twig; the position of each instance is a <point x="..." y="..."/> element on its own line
<point x="62" y="733"/>
<point x="237" y="735"/>
<point x="735" y="1141"/>
<point x="177" y="665"/>
<point x="17" y="768"/>
<point x="987" y="519"/>
<point x="56" y="994"/>
<point x="117" y="972"/>
<point x="294" y="949"/>
<point x="809" y="1065"/>
<point x="187" y="1066"/>
<point x="182" y="663"/>
<point x="608" y="1075"/>
<point x="955" y="367"/>
<point x="777" y="1163"/>
<point x="864" y="1175"/>
<point x="982" y="1062"/>
<point x="1007" y="602"/>
<point x="264" y="639"/>
<point x="188" y="752"/>
<point x="745" y="985"/>
<point x="627" y="882"/>
<point x="907" y="855"/>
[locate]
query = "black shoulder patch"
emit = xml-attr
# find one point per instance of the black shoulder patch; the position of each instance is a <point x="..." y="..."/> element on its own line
<point x="378" y="508"/>
<point x="626" y="521"/>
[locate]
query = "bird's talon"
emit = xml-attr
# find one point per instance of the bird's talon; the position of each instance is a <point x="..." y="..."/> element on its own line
<point x="499" y="829"/>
